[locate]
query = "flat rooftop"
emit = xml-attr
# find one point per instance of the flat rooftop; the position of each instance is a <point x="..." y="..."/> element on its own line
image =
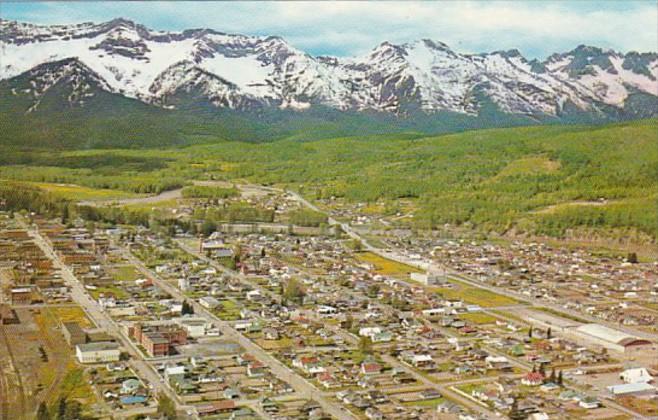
<point x="99" y="346"/>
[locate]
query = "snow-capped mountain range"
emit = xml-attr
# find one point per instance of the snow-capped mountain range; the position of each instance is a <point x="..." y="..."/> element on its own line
<point x="246" y="72"/>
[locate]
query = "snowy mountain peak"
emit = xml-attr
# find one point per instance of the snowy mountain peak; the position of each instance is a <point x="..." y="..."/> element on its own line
<point x="68" y="79"/>
<point x="206" y="66"/>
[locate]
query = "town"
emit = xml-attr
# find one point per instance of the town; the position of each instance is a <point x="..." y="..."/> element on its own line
<point x="290" y="311"/>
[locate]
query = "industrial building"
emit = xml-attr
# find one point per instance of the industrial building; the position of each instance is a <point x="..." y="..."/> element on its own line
<point x="635" y="389"/>
<point x="73" y="333"/>
<point x="194" y="326"/>
<point x="101" y="352"/>
<point x="612" y="339"/>
<point x="157" y="340"/>
<point x="430" y="278"/>
<point x="21" y="296"/>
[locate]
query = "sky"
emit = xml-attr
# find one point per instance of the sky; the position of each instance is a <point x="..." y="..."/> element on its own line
<point x="352" y="28"/>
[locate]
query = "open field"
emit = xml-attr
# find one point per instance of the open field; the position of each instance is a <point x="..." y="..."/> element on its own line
<point x="275" y="344"/>
<point x="478" y="318"/>
<point x="228" y="311"/>
<point x="474" y="295"/>
<point x="644" y="406"/>
<point x="117" y="292"/>
<point x="125" y="273"/>
<point x="27" y="376"/>
<point x="385" y="266"/>
<point x="80" y="193"/>
<point x="154" y="203"/>
<point x="68" y="314"/>
<point x="426" y="403"/>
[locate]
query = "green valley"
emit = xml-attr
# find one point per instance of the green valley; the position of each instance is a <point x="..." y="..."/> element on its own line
<point x="542" y="180"/>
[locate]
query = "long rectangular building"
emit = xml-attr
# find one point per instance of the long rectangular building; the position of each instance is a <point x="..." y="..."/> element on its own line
<point x="612" y="339"/>
<point x="100" y="352"/>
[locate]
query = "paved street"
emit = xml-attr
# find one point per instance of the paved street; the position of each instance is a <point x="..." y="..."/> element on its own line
<point x="399" y="257"/>
<point x="304" y="388"/>
<point x="102" y="320"/>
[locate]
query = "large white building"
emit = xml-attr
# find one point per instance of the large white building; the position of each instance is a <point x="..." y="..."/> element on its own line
<point x="612" y="339"/>
<point x="101" y="352"/>
<point x="638" y="388"/>
<point x="636" y="375"/>
<point x="432" y="277"/>
<point x="195" y="326"/>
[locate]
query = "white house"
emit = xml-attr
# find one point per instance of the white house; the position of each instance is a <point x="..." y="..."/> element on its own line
<point x="419" y="360"/>
<point x="369" y="331"/>
<point x="243" y="325"/>
<point x="101" y="352"/>
<point x="324" y="310"/>
<point x="107" y="302"/>
<point x="434" y="312"/>
<point x="174" y="370"/>
<point x="209" y="302"/>
<point x="254" y="295"/>
<point x="175" y="307"/>
<point x="636" y="375"/>
<point x="496" y="361"/>
<point x="589" y="403"/>
<point x="194" y="326"/>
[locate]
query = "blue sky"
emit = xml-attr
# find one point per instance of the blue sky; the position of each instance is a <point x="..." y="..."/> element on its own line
<point x="536" y="28"/>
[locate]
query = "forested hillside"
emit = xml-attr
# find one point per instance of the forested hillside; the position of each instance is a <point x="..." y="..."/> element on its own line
<point x="543" y="180"/>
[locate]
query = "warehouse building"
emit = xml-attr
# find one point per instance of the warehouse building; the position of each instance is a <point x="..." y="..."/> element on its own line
<point x="21" y="296"/>
<point x="194" y="326"/>
<point x="101" y="352"/>
<point x="634" y="389"/>
<point x="431" y="277"/>
<point x="157" y="339"/>
<point x="613" y="340"/>
<point x="73" y="333"/>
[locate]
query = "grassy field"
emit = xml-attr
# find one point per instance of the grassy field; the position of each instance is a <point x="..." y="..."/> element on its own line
<point x="125" y="273"/>
<point x="275" y="344"/>
<point x="510" y="315"/>
<point x="561" y="315"/>
<point x="478" y="318"/>
<point x="80" y="193"/>
<point x="161" y="205"/>
<point x="60" y="376"/>
<point x="71" y="314"/>
<point x="228" y="311"/>
<point x="385" y="266"/>
<point x="118" y="292"/>
<point x="425" y="403"/>
<point x="474" y="295"/>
